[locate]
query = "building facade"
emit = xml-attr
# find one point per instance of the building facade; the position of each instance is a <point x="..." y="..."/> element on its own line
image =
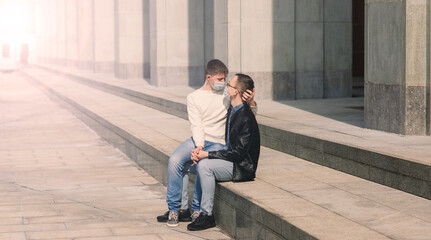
<point x="295" y="49"/>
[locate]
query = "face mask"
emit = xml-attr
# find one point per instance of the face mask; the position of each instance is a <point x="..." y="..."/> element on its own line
<point x="225" y="93"/>
<point x="217" y="85"/>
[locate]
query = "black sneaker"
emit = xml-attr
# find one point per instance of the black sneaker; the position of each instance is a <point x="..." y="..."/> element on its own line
<point x="184" y="216"/>
<point x="204" y="221"/>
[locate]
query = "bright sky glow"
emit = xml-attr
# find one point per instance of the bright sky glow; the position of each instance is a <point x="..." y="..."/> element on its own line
<point x="15" y="18"/>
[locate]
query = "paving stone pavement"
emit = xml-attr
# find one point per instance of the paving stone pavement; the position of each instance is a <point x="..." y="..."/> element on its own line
<point x="60" y="180"/>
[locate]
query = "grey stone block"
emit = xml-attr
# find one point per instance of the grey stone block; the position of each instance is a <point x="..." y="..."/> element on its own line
<point x="415" y="186"/>
<point x="131" y="150"/>
<point x="248" y="228"/>
<point x="309" y="154"/>
<point x="416" y="110"/>
<point x="337" y="11"/>
<point x="378" y="160"/>
<point x="385" y="37"/>
<point x="262" y="83"/>
<point x="347" y="166"/>
<point x="283" y="10"/>
<point x="226" y="215"/>
<point x="310" y="142"/>
<point x="385" y="177"/>
<point x="278" y="140"/>
<point x="337" y="84"/>
<point x="309" y="47"/>
<point x="237" y="201"/>
<point x="309" y="10"/>
<point x="289" y="231"/>
<point x="380" y="115"/>
<point x="147" y="70"/>
<point x="341" y="150"/>
<point x="415" y="170"/>
<point x="283" y="46"/>
<point x="338" y="46"/>
<point x="309" y="85"/>
<point x="405" y="115"/>
<point x="283" y="85"/>
<point x="270" y="220"/>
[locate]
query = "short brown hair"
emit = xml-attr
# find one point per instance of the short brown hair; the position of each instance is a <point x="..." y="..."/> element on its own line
<point x="215" y="67"/>
<point x="244" y="82"/>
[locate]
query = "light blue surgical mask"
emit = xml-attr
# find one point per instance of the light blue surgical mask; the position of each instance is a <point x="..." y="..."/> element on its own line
<point x="217" y="85"/>
<point x="225" y="93"/>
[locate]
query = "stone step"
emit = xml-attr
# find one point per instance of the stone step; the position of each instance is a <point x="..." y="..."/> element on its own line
<point x="399" y="162"/>
<point x="290" y="199"/>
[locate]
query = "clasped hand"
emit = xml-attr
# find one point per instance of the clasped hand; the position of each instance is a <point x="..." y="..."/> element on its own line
<point x="198" y="154"/>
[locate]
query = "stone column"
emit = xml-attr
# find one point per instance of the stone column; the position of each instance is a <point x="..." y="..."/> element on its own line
<point x="220" y="50"/>
<point x="71" y="12"/>
<point x="85" y="35"/>
<point x="271" y="64"/>
<point x="257" y="38"/>
<point x="52" y="30"/>
<point x="129" y="39"/>
<point x="104" y="36"/>
<point x="42" y="32"/>
<point x="177" y="42"/>
<point x="157" y="42"/>
<point x="209" y="30"/>
<point x="60" y="32"/>
<point x="337" y="49"/>
<point x="309" y="49"/>
<point x="397" y="66"/>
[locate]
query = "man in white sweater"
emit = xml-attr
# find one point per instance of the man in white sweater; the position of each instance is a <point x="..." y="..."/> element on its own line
<point x="207" y="109"/>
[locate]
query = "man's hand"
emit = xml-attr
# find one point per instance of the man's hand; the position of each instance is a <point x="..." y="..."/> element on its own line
<point x="196" y="157"/>
<point x="202" y="155"/>
<point x="248" y="96"/>
<point x="195" y="154"/>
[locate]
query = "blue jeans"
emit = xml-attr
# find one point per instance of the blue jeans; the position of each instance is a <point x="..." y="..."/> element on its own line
<point x="210" y="171"/>
<point x="178" y="167"/>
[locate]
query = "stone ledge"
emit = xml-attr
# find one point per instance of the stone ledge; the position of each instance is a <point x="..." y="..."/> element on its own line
<point x="155" y="161"/>
<point x="237" y="212"/>
<point x="392" y="171"/>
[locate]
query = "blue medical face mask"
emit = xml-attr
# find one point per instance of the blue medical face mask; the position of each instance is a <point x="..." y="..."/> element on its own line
<point x="217" y="85"/>
<point x="225" y="93"/>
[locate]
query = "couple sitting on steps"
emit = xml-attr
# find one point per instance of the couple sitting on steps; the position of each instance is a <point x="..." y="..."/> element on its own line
<point x="224" y="146"/>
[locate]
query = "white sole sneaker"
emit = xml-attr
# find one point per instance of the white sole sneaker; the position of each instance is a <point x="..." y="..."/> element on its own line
<point x="172" y="224"/>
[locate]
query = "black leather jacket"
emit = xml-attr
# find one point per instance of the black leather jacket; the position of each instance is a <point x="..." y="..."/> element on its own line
<point x="244" y="145"/>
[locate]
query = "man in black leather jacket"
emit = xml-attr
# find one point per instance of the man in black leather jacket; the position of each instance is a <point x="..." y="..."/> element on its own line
<point x="239" y="161"/>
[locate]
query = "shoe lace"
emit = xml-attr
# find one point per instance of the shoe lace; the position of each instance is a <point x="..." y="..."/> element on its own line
<point x="201" y="218"/>
<point x="173" y="215"/>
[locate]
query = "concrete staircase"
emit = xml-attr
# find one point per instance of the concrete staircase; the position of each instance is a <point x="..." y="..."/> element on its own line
<point x="295" y="195"/>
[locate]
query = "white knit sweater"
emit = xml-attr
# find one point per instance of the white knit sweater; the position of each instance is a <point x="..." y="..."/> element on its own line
<point x="207" y="115"/>
<point x="207" y="111"/>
